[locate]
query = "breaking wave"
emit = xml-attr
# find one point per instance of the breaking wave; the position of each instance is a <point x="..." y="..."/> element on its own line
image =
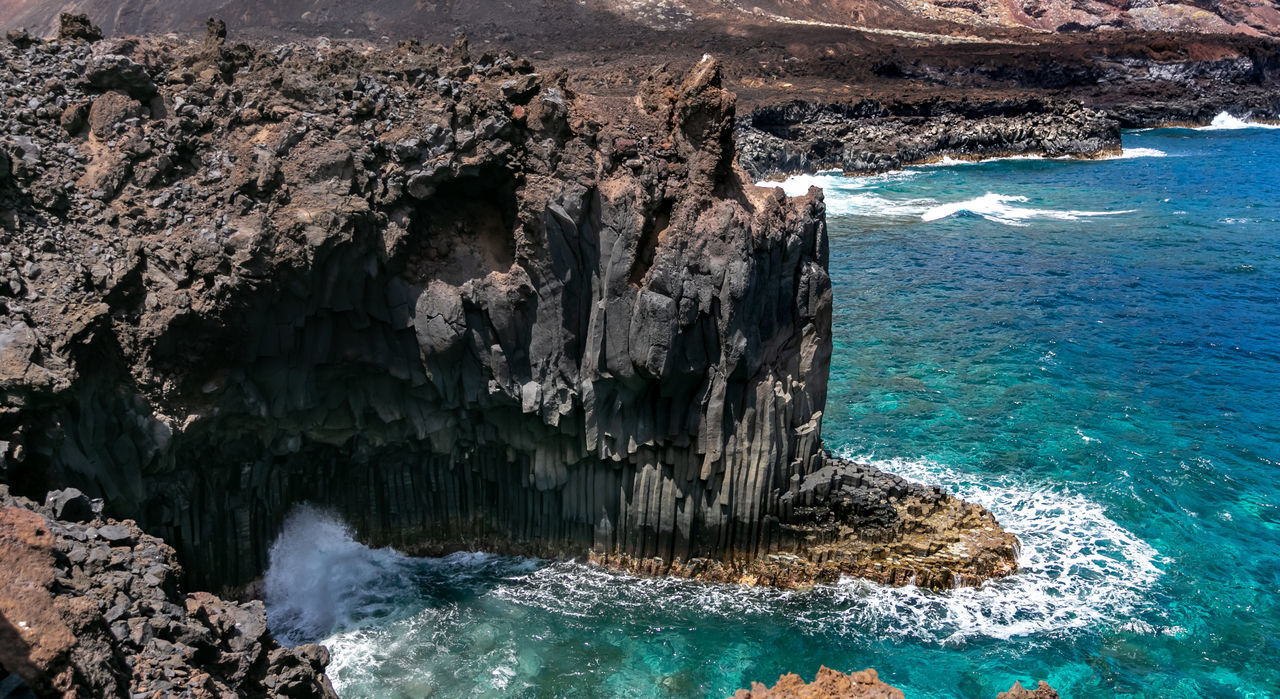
<point x="1226" y="122"/>
<point x="1002" y="208"/>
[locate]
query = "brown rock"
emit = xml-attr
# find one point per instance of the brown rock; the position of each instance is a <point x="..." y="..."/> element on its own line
<point x="109" y="110"/>
<point x="34" y="641"/>
<point x="1017" y="691"/>
<point x="74" y="27"/>
<point x="828" y="684"/>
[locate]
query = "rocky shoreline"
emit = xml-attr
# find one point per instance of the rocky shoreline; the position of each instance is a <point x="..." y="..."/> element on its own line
<point x="870" y="137"/>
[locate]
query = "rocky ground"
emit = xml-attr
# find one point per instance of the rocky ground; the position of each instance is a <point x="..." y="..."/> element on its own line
<point x="94" y="607"/>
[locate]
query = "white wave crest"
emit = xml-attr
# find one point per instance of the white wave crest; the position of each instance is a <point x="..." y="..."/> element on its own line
<point x="1001" y="208"/>
<point x="1226" y="122"/>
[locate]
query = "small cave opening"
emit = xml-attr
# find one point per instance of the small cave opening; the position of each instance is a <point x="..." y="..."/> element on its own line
<point x="655" y="226"/>
<point x="464" y="230"/>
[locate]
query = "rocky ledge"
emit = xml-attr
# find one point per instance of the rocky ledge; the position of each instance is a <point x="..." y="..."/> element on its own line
<point x="440" y="294"/>
<point x="92" y="607"/>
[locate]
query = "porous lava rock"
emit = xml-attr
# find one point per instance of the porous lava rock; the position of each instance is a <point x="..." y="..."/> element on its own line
<point x="96" y="609"/>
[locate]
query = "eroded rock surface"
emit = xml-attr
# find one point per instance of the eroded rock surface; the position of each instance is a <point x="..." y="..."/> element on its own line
<point x="95" y="608"/>
<point x="438" y="292"/>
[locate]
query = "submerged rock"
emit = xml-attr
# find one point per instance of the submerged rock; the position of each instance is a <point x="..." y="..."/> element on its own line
<point x="829" y="684"/>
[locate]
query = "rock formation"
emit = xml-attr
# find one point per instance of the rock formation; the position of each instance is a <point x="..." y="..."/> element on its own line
<point x="94" y="608"/>
<point x="829" y="684"/>
<point x="1017" y="691"/>
<point x="438" y="292"/>
<point x="869" y="136"/>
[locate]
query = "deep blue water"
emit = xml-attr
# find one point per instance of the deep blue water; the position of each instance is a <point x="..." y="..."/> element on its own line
<point x="1089" y="348"/>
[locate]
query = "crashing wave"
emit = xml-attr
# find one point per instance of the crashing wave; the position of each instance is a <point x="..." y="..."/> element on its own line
<point x="1224" y="121"/>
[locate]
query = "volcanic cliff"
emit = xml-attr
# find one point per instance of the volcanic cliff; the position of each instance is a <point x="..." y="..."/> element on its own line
<point x="440" y="294"/>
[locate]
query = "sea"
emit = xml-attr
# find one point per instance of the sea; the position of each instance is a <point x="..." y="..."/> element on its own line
<point x="1088" y="348"/>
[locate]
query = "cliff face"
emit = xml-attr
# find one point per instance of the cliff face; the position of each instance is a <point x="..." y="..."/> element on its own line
<point x="440" y="294"/>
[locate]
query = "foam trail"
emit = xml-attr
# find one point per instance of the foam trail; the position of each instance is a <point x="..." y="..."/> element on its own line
<point x="1226" y="122"/>
<point x="320" y="579"/>
<point x="1078" y="569"/>
<point x="1001" y="208"/>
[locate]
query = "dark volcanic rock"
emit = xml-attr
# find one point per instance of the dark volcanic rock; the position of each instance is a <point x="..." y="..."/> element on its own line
<point x="454" y="301"/>
<point x="106" y="617"/>
<point x="74" y="27"/>
<point x="868" y="136"/>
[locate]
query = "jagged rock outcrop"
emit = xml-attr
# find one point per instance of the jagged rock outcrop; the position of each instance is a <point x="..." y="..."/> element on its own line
<point x="1017" y="691"/>
<point x="94" y="608"/>
<point x="440" y="294"/>
<point x="869" y="137"/>
<point x="828" y="684"/>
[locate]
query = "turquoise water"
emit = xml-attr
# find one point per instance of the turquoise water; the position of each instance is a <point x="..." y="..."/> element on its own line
<point x="1090" y="349"/>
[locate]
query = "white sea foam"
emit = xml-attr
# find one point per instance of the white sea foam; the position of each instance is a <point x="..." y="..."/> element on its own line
<point x="856" y="196"/>
<point x="1078" y="569"/>
<point x="1226" y="122"/>
<point x="1003" y="208"/>
<point x="948" y="161"/>
<point x="1130" y="153"/>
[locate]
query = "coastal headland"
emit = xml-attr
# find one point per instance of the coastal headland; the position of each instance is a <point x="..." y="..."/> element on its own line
<point x="471" y="301"/>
